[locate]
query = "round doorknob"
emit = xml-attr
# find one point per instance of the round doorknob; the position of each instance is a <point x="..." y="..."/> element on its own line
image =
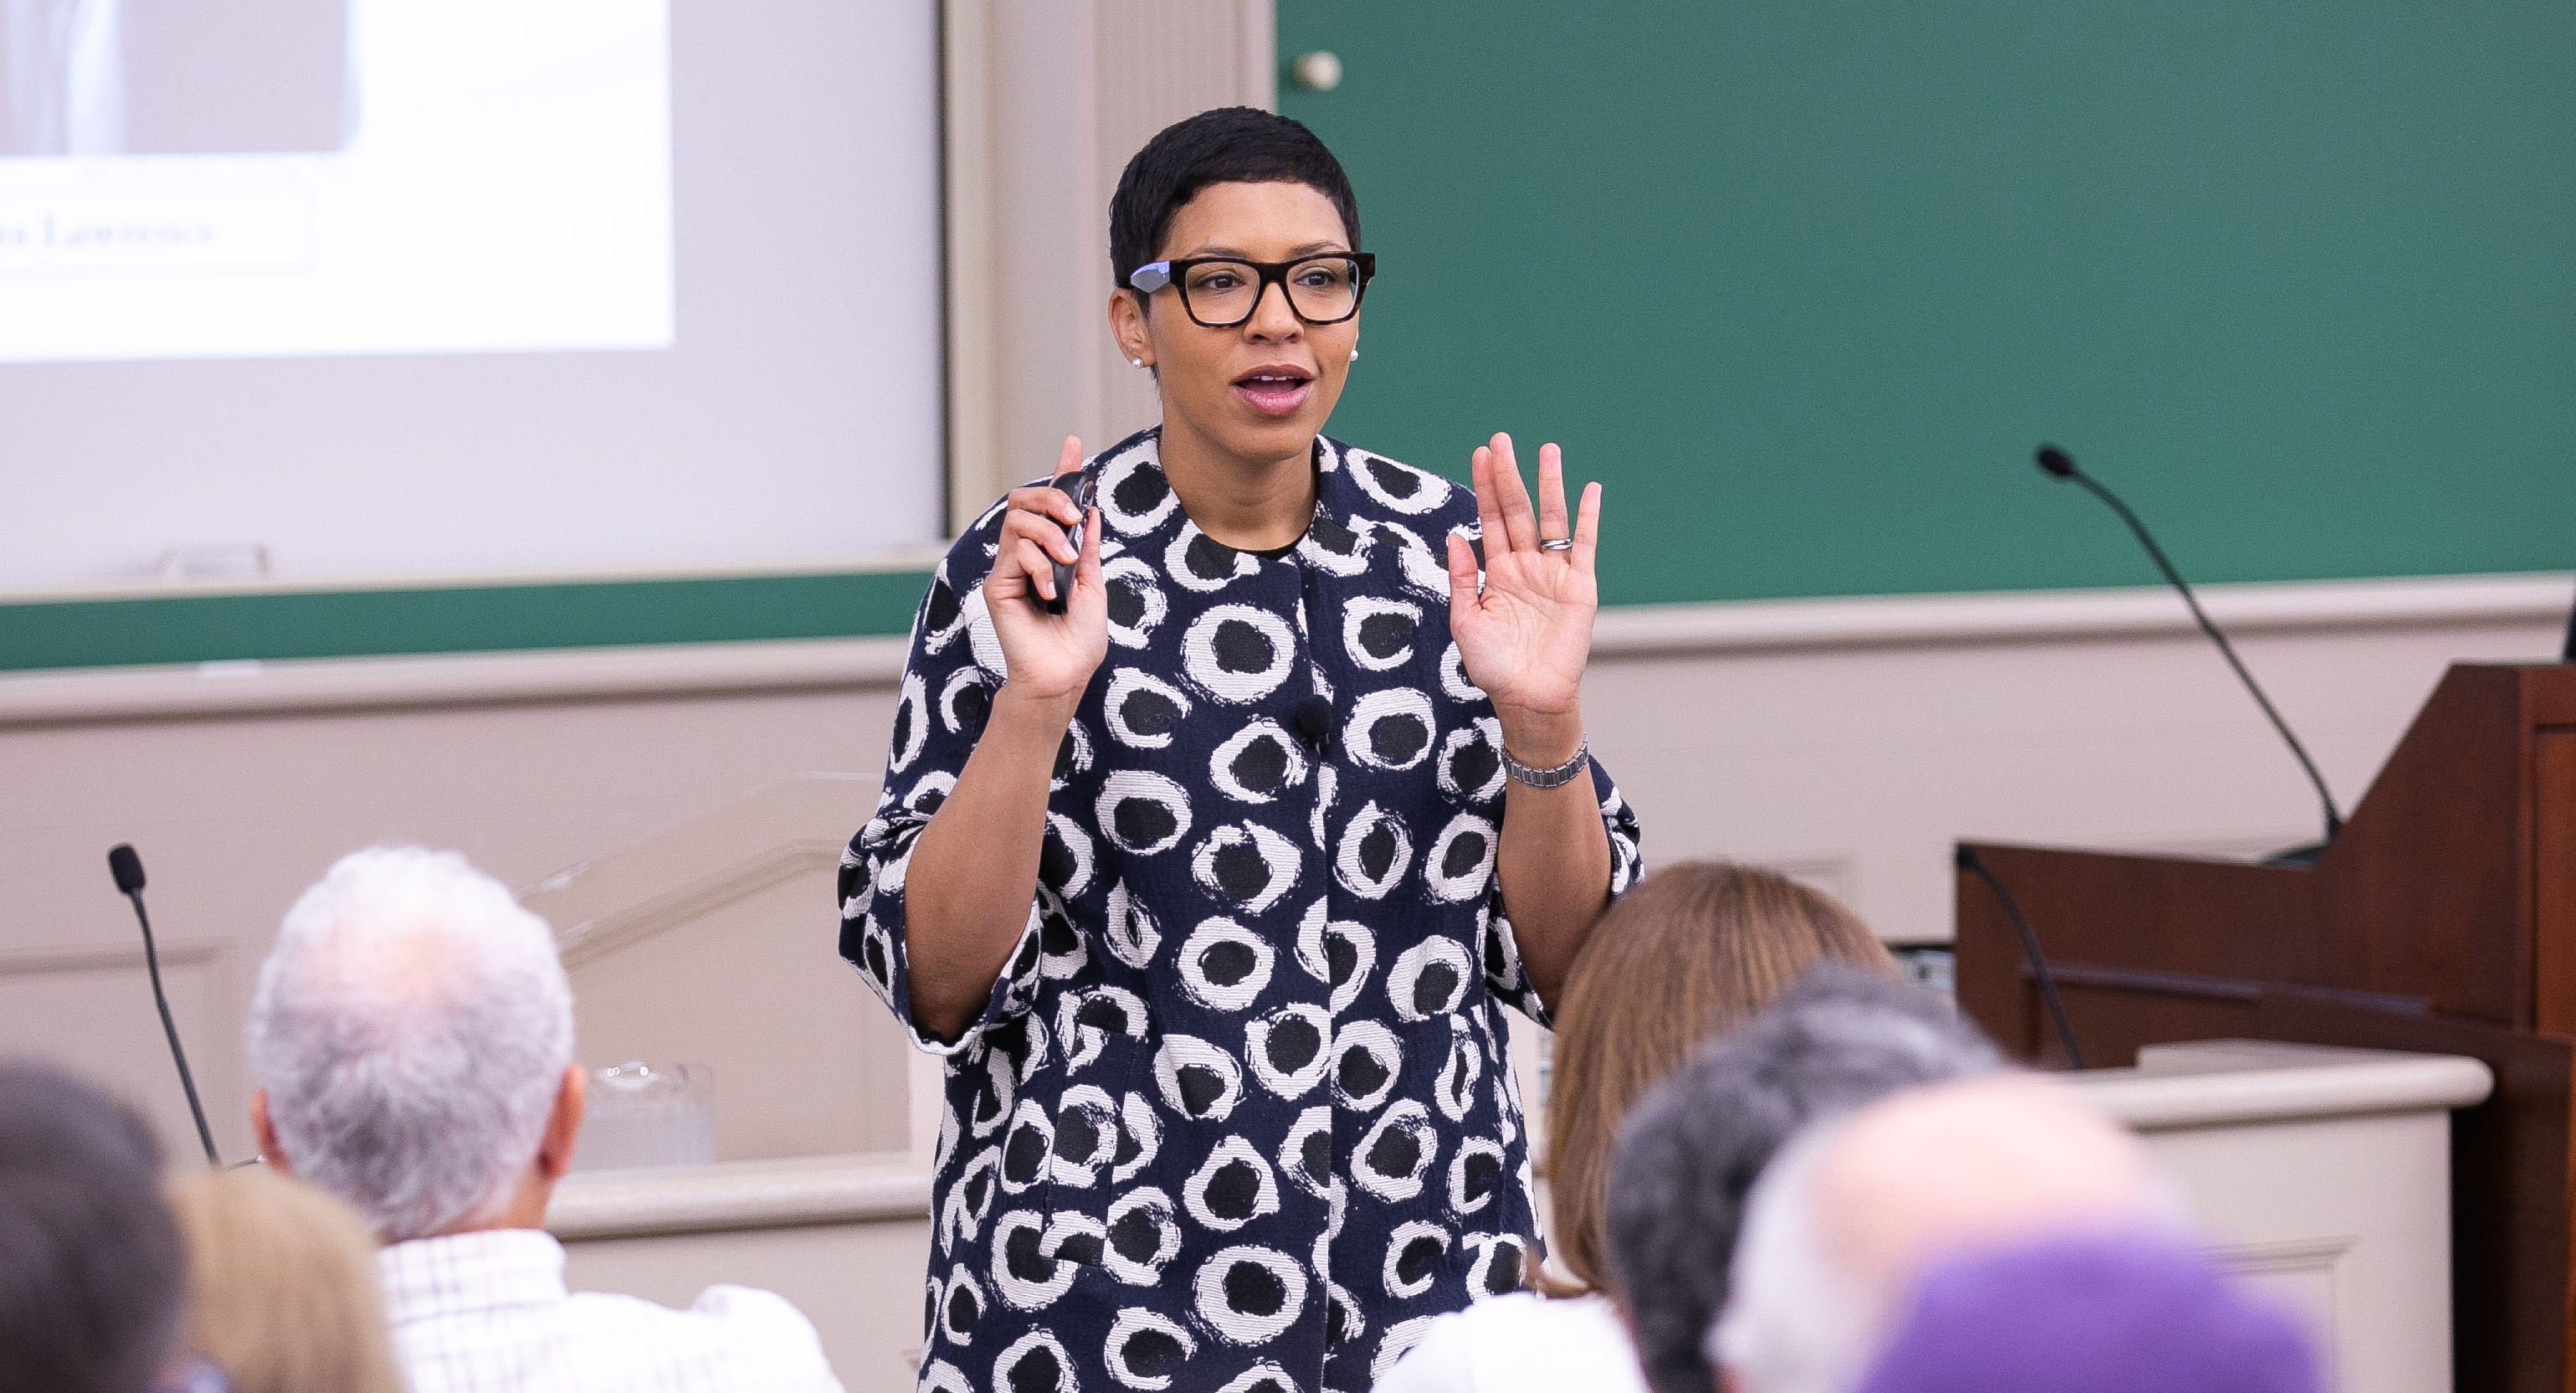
<point x="1319" y="71"/>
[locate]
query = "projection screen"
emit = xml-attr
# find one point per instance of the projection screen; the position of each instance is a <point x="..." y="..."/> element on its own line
<point x="407" y="288"/>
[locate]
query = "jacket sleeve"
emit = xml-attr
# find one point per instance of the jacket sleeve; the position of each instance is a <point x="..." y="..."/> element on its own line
<point x="954" y="667"/>
<point x="1503" y="975"/>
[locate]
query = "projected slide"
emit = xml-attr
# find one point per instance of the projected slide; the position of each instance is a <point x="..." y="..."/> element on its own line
<point x="295" y="178"/>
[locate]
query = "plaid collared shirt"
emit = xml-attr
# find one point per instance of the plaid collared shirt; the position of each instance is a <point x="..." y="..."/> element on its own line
<point x="488" y="1313"/>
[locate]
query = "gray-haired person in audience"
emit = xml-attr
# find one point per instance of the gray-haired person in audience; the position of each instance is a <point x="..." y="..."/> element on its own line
<point x="1690" y="1152"/>
<point x="1844" y="1226"/>
<point x="93" y="1282"/>
<point x="413" y="1036"/>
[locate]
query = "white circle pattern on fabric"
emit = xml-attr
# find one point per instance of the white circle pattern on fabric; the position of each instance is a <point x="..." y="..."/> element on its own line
<point x="1287" y="1049"/>
<point x="1143" y="710"/>
<point x="1142" y="812"/>
<point x="964" y="701"/>
<point x="1475" y="1173"/>
<point x="1064" y="862"/>
<point x="1378" y="634"/>
<point x="1146" y="1349"/>
<point x="1496" y="1267"/>
<point x="1426" y="573"/>
<point x="1224" y="965"/>
<point x="1197" y="561"/>
<point x="1024" y="1276"/>
<point x="1306" y="1156"/>
<point x="911" y="724"/>
<point x="1129" y="929"/>
<point x="1257" y="762"/>
<point x="1413" y="1257"/>
<point x="1072" y="757"/>
<point x="1395" y="1152"/>
<point x="1198" y="1080"/>
<point x="1137" y="604"/>
<point x="1471" y="761"/>
<point x="961" y="1304"/>
<point x="1399" y="486"/>
<point x="1232" y="1188"/>
<point x="1455" y="1090"/>
<point x="1376" y="852"/>
<point x="1237" y="653"/>
<point x="1035" y="1363"/>
<point x="1392" y="729"/>
<point x="1368" y="1063"/>
<point x="1144" y="1234"/>
<point x="1133" y="495"/>
<point x="1246" y="863"/>
<point x="1428" y="979"/>
<point x="982" y="641"/>
<point x="1141" y="1140"/>
<point x="1026" y="1146"/>
<point x="1461" y="864"/>
<point x="1249" y="1294"/>
<point x="1086" y="1136"/>
<point x="943" y="615"/>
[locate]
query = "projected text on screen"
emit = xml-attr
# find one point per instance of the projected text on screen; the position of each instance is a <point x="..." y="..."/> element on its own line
<point x="295" y="178"/>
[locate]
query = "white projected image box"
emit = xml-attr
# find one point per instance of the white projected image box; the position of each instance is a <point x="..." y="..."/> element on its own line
<point x="343" y="177"/>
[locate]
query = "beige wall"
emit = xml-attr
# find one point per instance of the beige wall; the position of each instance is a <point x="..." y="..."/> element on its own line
<point x="1047" y="100"/>
<point x="1847" y="741"/>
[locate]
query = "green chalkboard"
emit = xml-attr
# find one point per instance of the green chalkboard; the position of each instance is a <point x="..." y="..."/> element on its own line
<point x="1805" y="282"/>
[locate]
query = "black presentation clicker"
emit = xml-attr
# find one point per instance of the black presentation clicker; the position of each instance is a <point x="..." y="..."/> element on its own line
<point x="1077" y="486"/>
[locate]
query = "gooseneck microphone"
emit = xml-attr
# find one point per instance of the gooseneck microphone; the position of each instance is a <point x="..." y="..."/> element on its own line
<point x="1966" y="859"/>
<point x="2058" y="464"/>
<point x="127" y="867"/>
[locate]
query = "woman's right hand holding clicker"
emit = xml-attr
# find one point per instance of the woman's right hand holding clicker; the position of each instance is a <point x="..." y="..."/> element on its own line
<point x="1050" y="657"/>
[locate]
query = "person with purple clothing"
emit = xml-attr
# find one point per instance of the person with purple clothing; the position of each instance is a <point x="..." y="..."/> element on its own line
<point x="2108" y="1312"/>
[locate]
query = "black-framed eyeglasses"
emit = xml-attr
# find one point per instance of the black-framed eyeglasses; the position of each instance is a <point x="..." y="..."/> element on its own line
<point x="1220" y="292"/>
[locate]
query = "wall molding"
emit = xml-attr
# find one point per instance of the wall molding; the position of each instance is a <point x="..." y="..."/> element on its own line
<point x="201" y="691"/>
<point x="731" y="1196"/>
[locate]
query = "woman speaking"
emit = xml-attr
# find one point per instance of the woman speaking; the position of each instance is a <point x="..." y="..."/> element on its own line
<point x="1210" y="864"/>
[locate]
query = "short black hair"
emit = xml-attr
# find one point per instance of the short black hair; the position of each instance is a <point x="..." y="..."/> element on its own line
<point x="1690" y="1150"/>
<point x="1229" y="145"/>
<point x="93" y="1281"/>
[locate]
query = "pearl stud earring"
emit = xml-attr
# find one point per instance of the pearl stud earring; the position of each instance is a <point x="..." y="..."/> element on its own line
<point x="1355" y="355"/>
<point x="1135" y="362"/>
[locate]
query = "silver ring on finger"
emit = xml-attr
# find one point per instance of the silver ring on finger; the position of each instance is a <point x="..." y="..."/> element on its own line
<point x="1557" y="544"/>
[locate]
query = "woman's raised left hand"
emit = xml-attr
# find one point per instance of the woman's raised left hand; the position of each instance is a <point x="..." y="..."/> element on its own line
<point x="1527" y="635"/>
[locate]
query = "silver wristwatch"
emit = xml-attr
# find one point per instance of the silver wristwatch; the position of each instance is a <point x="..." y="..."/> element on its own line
<point x="1558" y="777"/>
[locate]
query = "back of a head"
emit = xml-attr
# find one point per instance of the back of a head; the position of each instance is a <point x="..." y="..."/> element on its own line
<point x="283" y="1285"/>
<point x="1691" y="1150"/>
<point x="2109" y="1313"/>
<point x="1854" y="1211"/>
<point x="411" y="1028"/>
<point x="1692" y="952"/>
<point x="92" y="1280"/>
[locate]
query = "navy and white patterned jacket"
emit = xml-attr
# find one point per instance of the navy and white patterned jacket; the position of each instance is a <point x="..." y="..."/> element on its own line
<point x="1238" y="1114"/>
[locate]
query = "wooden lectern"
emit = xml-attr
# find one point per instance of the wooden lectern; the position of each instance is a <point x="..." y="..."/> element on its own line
<point x="2443" y="919"/>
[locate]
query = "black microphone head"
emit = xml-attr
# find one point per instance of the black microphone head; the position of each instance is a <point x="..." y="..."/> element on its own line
<point x="127" y="867"/>
<point x="1314" y="721"/>
<point x="2055" y="461"/>
<point x="1964" y="857"/>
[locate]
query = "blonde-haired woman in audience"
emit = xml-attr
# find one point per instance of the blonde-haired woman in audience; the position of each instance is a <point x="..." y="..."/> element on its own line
<point x="282" y="1285"/>
<point x="1689" y="954"/>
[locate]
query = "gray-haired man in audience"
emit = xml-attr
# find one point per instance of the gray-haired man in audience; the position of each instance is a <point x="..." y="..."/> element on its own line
<point x="412" y="1033"/>
<point x="1691" y="1149"/>
<point x="1854" y="1212"/>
